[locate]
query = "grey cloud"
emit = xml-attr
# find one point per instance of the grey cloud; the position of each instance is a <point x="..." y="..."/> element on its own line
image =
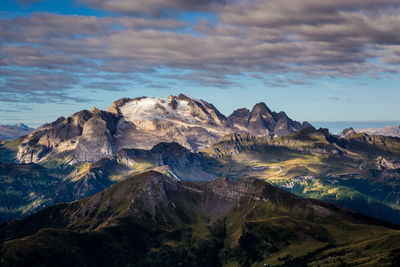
<point x="334" y="38"/>
<point x="42" y="98"/>
<point x="158" y="86"/>
<point x="151" y="7"/>
<point x="273" y="13"/>
<point x="203" y="79"/>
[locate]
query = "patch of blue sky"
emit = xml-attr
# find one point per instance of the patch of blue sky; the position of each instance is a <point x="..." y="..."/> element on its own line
<point x="49" y="6"/>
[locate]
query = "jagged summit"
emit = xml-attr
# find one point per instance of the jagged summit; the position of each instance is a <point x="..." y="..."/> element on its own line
<point x="262" y="121"/>
<point x="143" y="122"/>
<point x="346" y="133"/>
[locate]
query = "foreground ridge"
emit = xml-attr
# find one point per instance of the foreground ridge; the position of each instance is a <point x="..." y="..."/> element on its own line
<point x="153" y="219"/>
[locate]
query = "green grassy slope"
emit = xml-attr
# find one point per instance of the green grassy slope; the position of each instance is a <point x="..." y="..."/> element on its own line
<point x="25" y="188"/>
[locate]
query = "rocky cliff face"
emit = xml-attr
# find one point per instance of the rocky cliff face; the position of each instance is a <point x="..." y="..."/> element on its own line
<point x="262" y="121"/>
<point x="383" y="164"/>
<point x="84" y="136"/>
<point x="346" y="133"/>
<point x="141" y="123"/>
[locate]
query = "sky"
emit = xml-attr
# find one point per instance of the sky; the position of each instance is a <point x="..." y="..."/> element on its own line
<point x="330" y="60"/>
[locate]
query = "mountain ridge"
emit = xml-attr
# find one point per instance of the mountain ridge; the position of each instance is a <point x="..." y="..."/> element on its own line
<point x="14" y="131"/>
<point x="154" y="219"/>
<point x="142" y="122"/>
<point x="393" y="131"/>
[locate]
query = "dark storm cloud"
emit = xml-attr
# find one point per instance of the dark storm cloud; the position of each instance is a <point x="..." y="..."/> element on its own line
<point x="335" y="38"/>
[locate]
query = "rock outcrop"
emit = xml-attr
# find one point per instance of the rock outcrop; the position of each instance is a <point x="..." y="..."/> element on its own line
<point x="383" y="164"/>
<point x="346" y="133"/>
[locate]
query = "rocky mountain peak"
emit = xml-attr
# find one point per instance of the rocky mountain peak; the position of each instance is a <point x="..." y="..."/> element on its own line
<point x="346" y="133"/>
<point x="261" y="109"/>
<point x="262" y="121"/>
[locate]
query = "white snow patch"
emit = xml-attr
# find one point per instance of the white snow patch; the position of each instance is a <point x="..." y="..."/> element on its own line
<point x="156" y="108"/>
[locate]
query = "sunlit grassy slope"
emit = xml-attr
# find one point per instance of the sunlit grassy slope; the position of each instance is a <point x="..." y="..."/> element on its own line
<point x="313" y="164"/>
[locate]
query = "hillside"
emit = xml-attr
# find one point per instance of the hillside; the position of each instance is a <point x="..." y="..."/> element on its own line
<point x="152" y="220"/>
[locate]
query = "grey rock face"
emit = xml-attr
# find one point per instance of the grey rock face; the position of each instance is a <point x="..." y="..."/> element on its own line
<point x="346" y="133"/>
<point x="96" y="141"/>
<point x="262" y="121"/>
<point x="383" y="164"/>
<point x="84" y="136"/>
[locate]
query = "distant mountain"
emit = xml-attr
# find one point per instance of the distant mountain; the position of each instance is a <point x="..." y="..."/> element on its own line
<point x="14" y="131"/>
<point x="155" y="220"/>
<point x="262" y="121"/>
<point x="143" y="122"/>
<point x="393" y="131"/>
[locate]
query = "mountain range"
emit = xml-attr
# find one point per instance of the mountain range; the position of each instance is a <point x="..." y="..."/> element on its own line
<point x="87" y="136"/>
<point x="172" y="181"/>
<point x="13" y="131"/>
<point x="393" y="131"/>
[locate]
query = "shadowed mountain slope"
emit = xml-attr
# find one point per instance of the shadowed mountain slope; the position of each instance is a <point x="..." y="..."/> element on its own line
<point x="153" y="219"/>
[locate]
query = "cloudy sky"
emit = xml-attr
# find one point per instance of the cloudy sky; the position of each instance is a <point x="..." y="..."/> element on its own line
<point x="328" y="60"/>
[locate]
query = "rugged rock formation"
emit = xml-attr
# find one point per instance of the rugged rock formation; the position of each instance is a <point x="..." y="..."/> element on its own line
<point x="346" y="133"/>
<point x="309" y="140"/>
<point x="383" y="164"/>
<point x="262" y="121"/>
<point x="84" y="136"/>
